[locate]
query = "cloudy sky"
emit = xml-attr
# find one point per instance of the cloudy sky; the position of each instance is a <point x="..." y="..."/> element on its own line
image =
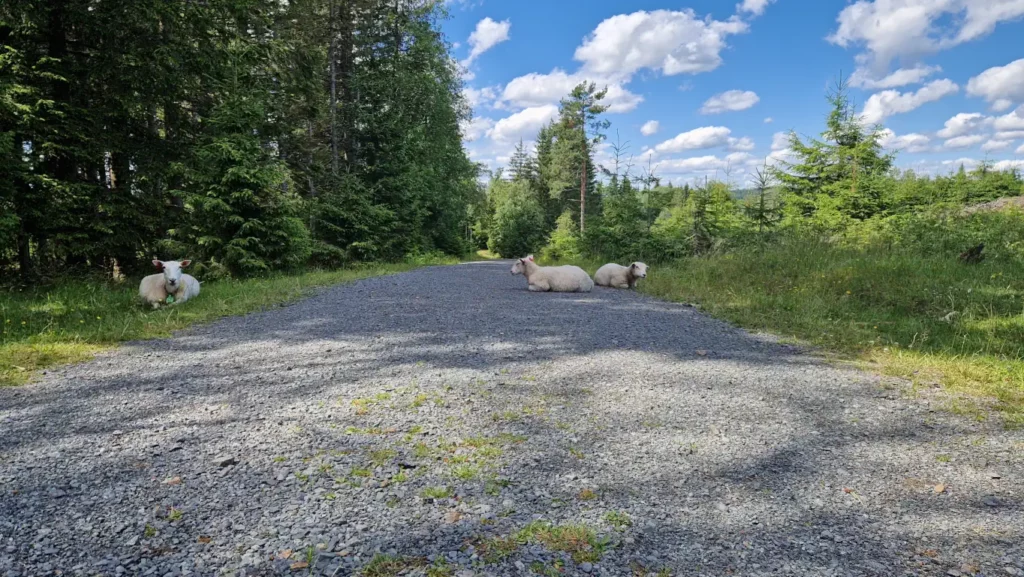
<point x="708" y="86"/>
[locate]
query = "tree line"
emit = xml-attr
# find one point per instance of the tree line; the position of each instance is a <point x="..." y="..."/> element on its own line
<point x="841" y="187"/>
<point x="248" y="135"/>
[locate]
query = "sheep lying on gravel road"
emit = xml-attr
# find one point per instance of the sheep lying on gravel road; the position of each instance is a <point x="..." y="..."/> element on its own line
<point x="567" y="278"/>
<point x="170" y="281"/>
<point x="618" y="276"/>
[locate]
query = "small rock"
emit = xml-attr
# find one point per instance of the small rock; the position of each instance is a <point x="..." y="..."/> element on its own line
<point x="954" y="573"/>
<point x="991" y="501"/>
<point x="224" y="461"/>
<point x="586" y="567"/>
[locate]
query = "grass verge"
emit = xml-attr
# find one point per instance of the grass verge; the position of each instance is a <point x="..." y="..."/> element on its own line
<point x="923" y="317"/>
<point x="72" y="321"/>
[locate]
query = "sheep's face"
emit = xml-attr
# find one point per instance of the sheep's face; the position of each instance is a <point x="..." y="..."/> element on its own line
<point x="639" y="269"/>
<point x="172" y="272"/>
<point x="520" y="265"/>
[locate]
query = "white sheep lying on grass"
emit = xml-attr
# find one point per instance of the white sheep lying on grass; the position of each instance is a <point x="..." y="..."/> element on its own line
<point x="169" y="285"/>
<point x="567" y="278"/>
<point x="618" y="276"/>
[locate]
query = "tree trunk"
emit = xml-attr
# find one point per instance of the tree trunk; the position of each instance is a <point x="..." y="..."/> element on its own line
<point x="332" y="55"/>
<point x="583" y="193"/>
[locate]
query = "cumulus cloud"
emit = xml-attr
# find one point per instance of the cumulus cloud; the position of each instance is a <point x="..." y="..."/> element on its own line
<point x="890" y="102"/>
<point x="753" y="7"/>
<point x="1010" y="135"/>
<point x="907" y="29"/>
<point x="476" y="128"/>
<point x="540" y="89"/>
<point x="996" y="145"/>
<point x="487" y="35"/>
<point x="1006" y="165"/>
<point x="479" y="97"/>
<point x="1020" y="150"/>
<point x="1000" y="86"/>
<point x="671" y="42"/>
<point x="650" y="127"/>
<point x="861" y="78"/>
<point x="964" y="123"/>
<point x="741" y="144"/>
<point x="1011" y="121"/>
<point x="732" y="100"/>
<point x="523" y="124"/>
<point x="912" y="142"/>
<point x="769" y="120"/>
<point x="966" y="141"/>
<point x="702" y="164"/>
<point x="696" y="139"/>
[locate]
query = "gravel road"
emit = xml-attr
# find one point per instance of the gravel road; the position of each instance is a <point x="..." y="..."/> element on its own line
<point x="461" y="425"/>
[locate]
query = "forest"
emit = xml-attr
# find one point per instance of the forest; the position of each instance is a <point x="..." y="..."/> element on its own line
<point x="247" y="135"/>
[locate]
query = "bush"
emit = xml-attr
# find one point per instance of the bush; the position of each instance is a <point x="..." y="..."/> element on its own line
<point x="565" y="239"/>
<point x="518" y="227"/>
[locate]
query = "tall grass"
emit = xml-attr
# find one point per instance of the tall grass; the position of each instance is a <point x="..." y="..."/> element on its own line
<point x="72" y="321"/>
<point x="925" y="317"/>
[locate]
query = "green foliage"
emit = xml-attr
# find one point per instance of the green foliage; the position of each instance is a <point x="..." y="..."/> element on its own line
<point x="565" y="239"/>
<point x="518" y="226"/>
<point x="247" y="135"/>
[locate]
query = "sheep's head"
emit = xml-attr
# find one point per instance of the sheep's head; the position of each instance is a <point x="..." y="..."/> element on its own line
<point x="520" y="265"/>
<point x="172" y="272"/>
<point x="639" y="270"/>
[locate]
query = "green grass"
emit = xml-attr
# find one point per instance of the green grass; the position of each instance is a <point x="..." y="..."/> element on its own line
<point x="71" y="322"/>
<point x="889" y="309"/>
<point x="578" y="541"/>
<point x="437" y="492"/>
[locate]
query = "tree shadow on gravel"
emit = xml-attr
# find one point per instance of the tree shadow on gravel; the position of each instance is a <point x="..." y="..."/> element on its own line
<point x="732" y="453"/>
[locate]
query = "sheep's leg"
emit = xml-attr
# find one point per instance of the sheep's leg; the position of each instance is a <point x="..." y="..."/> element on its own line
<point x="542" y="286"/>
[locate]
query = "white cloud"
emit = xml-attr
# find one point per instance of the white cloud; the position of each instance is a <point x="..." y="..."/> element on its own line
<point x="541" y="89"/>
<point x="476" y="128"/>
<point x="523" y="124"/>
<point x="672" y="42"/>
<point x="755" y="7"/>
<point x="994" y="145"/>
<point x="1010" y="135"/>
<point x="1011" y="121"/>
<point x="732" y="100"/>
<point x="487" y="35"/>
<point x="964" y="123"/>
<point x="1000" y="86"/>
<point x="741" y="144"/>
<point x="889" y="102"/>
<point x="696" y="139"/>
<point x="861" y="77"/>
<point x="966" y="141"/>
<point x="702" y="164"/>
<point x="737" y="158"/>
<point x="769" y="120"/>
<point x="1020" y="150"/>
<point x="479" y="97"/>
<point x="907" y="29"/>
<point x="650" y="127"/>
<point x="912" y="142"/>
<point x="780" y="141"/>
<point x="1007" y="165"/>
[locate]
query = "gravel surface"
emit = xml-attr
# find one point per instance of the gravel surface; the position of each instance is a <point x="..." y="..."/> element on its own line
<point x="460" y="424"/>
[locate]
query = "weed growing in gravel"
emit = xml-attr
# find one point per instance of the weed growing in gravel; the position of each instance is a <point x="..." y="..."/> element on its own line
<point x="420" y="400"/>
<point x="943" y="458"/>
<point x="556" y="569"/>
<point x="174" y="514"/>
<point x="506" y="416"/>
<point x="422" y="450"/>
<point x="587" y="495"/>
<point x="618" y="519"/>
<point x="382" y="457"/>
<point x="389" y="566"/>
<point x="280" y="459"/>
<point x="437" y="492"/>
<point x="401" y="477"/>
<point x="496" y="549"/>
<point x="578" y="541"/>
<point x="494" y="485"/>
<point x="466" y="472"/>
<point x="576" y="453"/>
<point x="361" y="472"/>
<point x="302" y="477"/>
<point x="149" y="532"/>
<point x="440" y="568"/>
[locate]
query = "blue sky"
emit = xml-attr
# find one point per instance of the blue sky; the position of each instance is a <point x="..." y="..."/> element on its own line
<point x="705" y="87"/>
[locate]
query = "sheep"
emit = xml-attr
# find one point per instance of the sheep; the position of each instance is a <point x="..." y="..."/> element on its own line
<point x="565" y="278"/>
<point x="170" y="281"/>
<point x="618" y="276"/>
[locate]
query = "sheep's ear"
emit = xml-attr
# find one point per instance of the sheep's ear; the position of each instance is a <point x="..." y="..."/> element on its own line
<point x="529" y="258"/>
<point x="185" y="263"/>
<point x="159" y="265"/>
